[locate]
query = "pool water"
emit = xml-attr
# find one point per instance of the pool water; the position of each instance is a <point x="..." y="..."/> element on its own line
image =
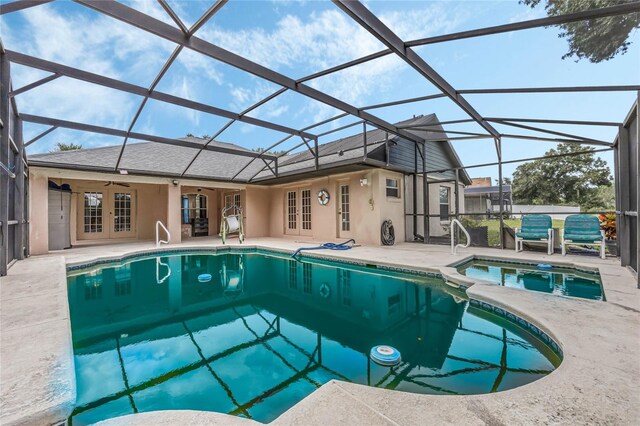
<point x="556" y="280"/>
<point x="266" y="331"/>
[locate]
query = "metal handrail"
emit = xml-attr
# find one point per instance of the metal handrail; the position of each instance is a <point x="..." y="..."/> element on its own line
<point x="454" y="246"/>
<point x="158" y="264"/>
<point x="158" y="240"/>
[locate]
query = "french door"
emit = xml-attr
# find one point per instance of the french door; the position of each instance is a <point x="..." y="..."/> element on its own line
<point x="106" y="213"/>
<point x="344" y="211"/>
<point x="298" y="212"/>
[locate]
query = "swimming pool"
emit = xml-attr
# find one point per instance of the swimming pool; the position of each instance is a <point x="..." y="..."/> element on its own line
<point x="556" y="280"/>
<point x="266" y="331"/>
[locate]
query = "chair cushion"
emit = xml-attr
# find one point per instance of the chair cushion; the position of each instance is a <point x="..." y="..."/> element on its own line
<point x="582" y="226"/>
<point x="583" y="238"/>
<point x="532" y="235"/>
<point x="536" y="224"/>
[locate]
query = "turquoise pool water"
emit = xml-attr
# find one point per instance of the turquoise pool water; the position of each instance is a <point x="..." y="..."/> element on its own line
<point x="563" y="281"/>
<point x="266" y="331"/>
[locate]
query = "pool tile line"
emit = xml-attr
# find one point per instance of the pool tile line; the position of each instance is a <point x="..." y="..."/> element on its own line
<point x="511" y="261"/>
<point x="516" y="319"/>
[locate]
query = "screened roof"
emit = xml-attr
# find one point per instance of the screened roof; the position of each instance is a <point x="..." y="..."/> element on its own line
<point x="276" y="81"/>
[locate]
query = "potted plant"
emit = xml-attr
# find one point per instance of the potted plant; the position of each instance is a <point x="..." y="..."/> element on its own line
<point x="608" y="225"/>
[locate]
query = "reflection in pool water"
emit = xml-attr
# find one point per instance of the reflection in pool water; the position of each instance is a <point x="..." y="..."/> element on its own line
<point x="563" y="281"/>
<point x="267" y="331"/>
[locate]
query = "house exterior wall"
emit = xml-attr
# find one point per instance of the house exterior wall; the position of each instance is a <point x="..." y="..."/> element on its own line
<point x="369" y="206"/>
<point x="155" y="199"/>
<point x="265" y="212"/>
<point x="38" y="213"/>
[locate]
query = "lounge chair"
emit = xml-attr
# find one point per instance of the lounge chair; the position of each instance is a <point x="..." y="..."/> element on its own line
<point x="536" y="228"/>
<point x="582" y="230"/>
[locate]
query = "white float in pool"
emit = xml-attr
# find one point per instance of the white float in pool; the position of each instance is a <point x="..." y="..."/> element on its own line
<point x="385" y="355"/>
<point x="204" y="278"/>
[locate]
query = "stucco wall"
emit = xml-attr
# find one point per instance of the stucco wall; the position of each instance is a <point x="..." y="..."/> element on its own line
<point x="258" y="213"/>
<point x="150" y="204"/>
<point x="38" y="213"/>
<point x="366" y="217"/>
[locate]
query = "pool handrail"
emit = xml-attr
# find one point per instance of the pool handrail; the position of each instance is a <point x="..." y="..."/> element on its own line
<point x="158" y="240"/>
<point x="454" y="246"/>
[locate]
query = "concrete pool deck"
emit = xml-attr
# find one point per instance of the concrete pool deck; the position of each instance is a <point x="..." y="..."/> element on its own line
<point x="598" y="381"/>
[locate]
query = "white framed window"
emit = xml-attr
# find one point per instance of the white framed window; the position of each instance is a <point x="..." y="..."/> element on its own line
<point x="292" y="210"/>
<point x="93" y="212"/>
<point x="305" y="199"/>
<point x="393" y="188"/>
<point x="445" y="202"/>
<point x="345" y="215"/>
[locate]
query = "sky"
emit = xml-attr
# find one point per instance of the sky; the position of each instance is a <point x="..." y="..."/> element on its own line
<point x="299" y="38"/>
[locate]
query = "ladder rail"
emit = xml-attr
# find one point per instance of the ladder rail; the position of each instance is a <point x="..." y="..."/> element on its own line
<point x="158" y="240"/>
<point x="454" y="246"/>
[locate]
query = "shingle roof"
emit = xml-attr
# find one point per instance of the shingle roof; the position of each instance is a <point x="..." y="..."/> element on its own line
<point x="171" y="160"/>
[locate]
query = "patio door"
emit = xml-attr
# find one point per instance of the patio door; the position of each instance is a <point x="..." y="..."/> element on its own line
<point x="298" y="212"/>
<point x="106" y="213"/>
<point x="344" y="211"/>
<point x="291" y="220"/>
<point x="122" y="213"/>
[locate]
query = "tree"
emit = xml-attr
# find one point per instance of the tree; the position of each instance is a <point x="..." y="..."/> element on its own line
<point x="573" y="179"/>
<point x="61" y="146"/>
<point x="276" y="153"/>
<point x="595" y="39"/>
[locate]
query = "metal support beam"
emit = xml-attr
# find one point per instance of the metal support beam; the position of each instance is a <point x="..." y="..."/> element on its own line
<point x="174" y="16"/>
<point x="560" y="140"/>
<point x="111" y="83"/>
<point x="140" y="136"/>
<point x="20" y="5"/>
<point x="619" y="88"/>
<point x="316" y="155"/>
<point x="364" y="138"/>
<point x="215" y="8"/>
<point x="20" y="201"/>
<point x="595" y="13"/>
<point x="501" y="191"/>
<point x="156" y="81"/>
<point x="147" y="23"/>
<point x="41" y="135"/>
<point x="520" y="160"/>
<point x="516" y="26"/>
<point x="35" y="84"/>
<point x="551" y="132"/>
<point x="358" y="12"/>
<point x="546" y="121"/>
<point x="425" y="195"/>
<point x="414" y="198"/>
<point x="226" y="126"/>
<point x="5" y="149"/>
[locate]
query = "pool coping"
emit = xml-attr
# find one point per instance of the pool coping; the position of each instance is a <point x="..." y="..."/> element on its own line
<point x="340" y="400"/>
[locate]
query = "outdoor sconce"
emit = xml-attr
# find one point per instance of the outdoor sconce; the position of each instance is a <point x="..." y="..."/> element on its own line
<point x="364" y="182"/>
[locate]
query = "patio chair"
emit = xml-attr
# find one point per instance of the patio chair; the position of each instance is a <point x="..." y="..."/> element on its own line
<point x="536" y="228"/>
<point x="582" y="230"/>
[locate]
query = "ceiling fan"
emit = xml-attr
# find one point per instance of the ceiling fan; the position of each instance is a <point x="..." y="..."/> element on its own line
<point x="126" y="185"/>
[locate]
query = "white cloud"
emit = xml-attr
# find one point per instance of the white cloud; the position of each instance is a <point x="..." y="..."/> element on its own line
<point x="327" y="38"/>
<point x="244" y="97"/>
<point x="296" y="44"/>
